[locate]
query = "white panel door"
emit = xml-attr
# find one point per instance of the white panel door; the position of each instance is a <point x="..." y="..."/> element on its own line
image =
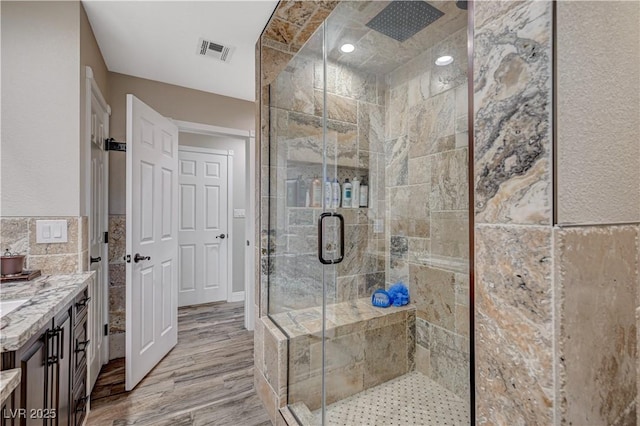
<point x="152" y="239"/>
<point x="98" y="225"/>
<point x="203" y="275"/>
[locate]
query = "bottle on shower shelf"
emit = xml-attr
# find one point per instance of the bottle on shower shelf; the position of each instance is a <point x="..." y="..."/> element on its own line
<point x="302" y="192"/>
<point x="355" y="193"/>
<point x="364" y="193"/>
<point x="328" y="194"/>
<point x="346" y="193"/>
<point x="336" y="193"/>
<point x="316" y="192"/>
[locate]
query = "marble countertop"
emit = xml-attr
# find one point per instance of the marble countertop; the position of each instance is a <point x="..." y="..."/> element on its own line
<point x="9" y="380"/>
<point x="47" y="296"/>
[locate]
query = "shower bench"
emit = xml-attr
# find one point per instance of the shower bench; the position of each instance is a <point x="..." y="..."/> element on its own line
<point x="365" y="346"/>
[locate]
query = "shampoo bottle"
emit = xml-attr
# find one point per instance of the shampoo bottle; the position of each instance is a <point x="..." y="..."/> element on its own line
<point x="328" y="194"/>
<point x="302" y="192"/>
<point x="336" y="193"/>
<point x="364" y="193"/>
<point x="316" y="192"/>
<point x="355" y="193"/>
<point x="346" y="194"/>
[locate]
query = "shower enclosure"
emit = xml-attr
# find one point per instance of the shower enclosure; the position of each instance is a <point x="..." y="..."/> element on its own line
<point x="391" y="114"/>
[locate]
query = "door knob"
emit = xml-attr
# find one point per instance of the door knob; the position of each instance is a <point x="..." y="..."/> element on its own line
<point x="221" y="236"/>
<point x="95" y="259"/>
<point x="137" y="258"/>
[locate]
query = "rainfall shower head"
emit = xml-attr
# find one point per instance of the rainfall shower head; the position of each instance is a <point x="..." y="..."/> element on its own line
<point x="402" y="19"/>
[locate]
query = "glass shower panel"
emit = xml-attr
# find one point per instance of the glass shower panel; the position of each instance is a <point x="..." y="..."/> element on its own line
<point x="398" y="365"/>
<point x="305" y="229"/>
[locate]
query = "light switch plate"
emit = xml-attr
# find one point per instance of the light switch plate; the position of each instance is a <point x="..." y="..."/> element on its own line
<point x="238" y="213"/>
<point x="51" y="231"/>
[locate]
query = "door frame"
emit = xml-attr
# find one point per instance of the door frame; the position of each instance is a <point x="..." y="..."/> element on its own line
<point x="229" y="155"/>
<point x="92" y="88"/>
<point x="250" y="208"/>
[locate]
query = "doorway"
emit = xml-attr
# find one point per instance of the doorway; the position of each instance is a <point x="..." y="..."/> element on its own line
<point x="220" y="219"/>
<point x="205" y="261"/>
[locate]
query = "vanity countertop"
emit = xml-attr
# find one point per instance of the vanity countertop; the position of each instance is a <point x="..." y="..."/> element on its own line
<point x="46" y="295"/>
<point x="9" y="380"/>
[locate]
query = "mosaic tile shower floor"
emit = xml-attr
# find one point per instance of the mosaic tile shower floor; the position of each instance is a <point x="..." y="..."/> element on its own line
<point x="409" y="400"/>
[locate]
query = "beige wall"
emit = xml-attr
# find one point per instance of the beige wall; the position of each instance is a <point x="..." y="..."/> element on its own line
<point x="171" y="101"/>
<point x="91" y="56"/>
<point x="239" y="193"/>
<point x="598" y="62"/>
<point x="40" y="109"/>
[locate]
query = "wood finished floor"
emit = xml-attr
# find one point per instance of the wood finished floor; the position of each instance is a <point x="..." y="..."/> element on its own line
<point x="207" y="379"/>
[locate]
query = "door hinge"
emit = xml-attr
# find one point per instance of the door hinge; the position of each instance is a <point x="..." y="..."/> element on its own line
<point x="113" y="145"/>
<point x="106" y="238"/>
<point x="106" y="329"/>
<point x="248" y="243"/>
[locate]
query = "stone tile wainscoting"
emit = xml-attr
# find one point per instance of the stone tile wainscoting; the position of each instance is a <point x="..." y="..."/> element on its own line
<point x="18" y="234"/>
<point x="117" y="288"/>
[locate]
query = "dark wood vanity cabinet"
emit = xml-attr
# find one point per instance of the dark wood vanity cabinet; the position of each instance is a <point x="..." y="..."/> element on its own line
<point x="52" y="391"/>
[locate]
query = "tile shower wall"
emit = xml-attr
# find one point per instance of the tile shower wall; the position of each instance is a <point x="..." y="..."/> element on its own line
<point x="426" y="162"/>
<point x="544" y="294"/>
<point x="596" y="285"/>
<point x="513" y="234"/>
<point x="18" y="234"/>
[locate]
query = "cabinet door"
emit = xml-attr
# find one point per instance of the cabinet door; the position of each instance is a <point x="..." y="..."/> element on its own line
<point x="62" y="388"/>
<point x="33" y="388"/>
<point x="8" y="419"/>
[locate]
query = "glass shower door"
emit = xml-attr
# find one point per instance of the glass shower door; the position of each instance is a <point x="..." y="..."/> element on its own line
<point x="305" y="238"/>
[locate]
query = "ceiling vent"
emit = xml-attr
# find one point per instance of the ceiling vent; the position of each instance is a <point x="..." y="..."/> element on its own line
<point x="215" y="50"/>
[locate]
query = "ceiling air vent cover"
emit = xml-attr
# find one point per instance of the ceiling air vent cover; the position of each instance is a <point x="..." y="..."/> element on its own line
<point x="215" y="50"/>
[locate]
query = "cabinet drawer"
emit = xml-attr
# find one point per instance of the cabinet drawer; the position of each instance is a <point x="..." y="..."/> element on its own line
<point x="80" y="345"/>
<point x="80" y="399"/>
<point x="80" y="306"/>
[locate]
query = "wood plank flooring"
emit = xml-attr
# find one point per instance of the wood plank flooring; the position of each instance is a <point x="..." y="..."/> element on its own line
<point x="207" y="379"/>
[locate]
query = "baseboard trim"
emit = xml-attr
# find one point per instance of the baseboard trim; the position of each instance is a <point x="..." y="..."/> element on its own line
<point x="236" y="296"/>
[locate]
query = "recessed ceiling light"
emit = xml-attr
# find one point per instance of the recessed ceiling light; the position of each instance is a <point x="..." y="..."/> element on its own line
<point x="347" y="48"/>
<point x="444" y="60"/>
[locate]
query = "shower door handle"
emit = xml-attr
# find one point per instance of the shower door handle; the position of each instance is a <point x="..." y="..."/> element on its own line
<point x="321" y="245"/>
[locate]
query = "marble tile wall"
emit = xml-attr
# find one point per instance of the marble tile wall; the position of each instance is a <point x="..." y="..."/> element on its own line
<point x="18" y="234"/>
<point x="513" y="234"/>
<point x="426" y="160"/>
<point x="596" y="336"/>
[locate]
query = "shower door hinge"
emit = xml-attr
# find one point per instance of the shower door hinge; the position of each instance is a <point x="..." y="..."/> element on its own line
<point x="106" y="238"/>
<point x="106" y="329"/>
<point x="113" y="145"/>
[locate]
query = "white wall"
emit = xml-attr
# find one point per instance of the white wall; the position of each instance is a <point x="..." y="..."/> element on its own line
<point x="40" y="161"/>
<point x="239" y="193"/>
<point x="598" y="60"/>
